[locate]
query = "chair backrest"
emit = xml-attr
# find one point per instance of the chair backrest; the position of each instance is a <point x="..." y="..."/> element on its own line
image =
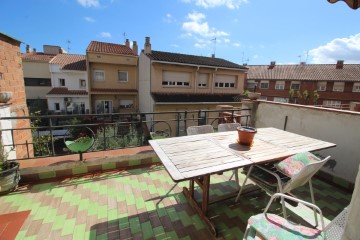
<point x="304" y="175"/>
<point x="193" y="130"/>
<point x="223" y="127"/>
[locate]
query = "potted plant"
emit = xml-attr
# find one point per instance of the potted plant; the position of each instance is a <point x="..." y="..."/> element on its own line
<point x="246" y="135"/>
<point x="83" y="143"/>
<point x="254" y="95"/>
<point x="9" y="172"/>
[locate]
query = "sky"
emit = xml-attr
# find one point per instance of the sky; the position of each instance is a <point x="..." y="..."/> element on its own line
<point x="254" y="32"/>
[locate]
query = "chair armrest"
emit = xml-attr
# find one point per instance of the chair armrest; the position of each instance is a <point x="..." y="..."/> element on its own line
<point x="313" y="206"/>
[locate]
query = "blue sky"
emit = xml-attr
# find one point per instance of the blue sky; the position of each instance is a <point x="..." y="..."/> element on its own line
<point x="246" y="31"/>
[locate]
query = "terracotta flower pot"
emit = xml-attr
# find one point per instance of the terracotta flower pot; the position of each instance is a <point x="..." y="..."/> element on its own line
<point x="254" y="95"/>
<point x="5" y="97"/>
<point x="246" y="135"/>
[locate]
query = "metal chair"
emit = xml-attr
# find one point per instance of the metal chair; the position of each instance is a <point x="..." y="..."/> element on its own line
<point x="193" y="130"/>
<point x="284" y="182"/>
<point x="270" y="226"/>
<point x="224" y="127"/>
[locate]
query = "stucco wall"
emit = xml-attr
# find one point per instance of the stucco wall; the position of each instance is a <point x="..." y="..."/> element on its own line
<point x="336" y="126"/>
<point x="145" y="100"/>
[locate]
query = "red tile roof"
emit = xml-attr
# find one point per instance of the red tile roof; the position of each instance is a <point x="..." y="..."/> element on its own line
<point x="112" y="90"/>
<point x="306" y="72"/>
<point x="112" y="48"/>
<point x="37" y="56"/>
<point x="70" y="61"/>
<point x="192" y="59"/>
<point x="66" y="91"/>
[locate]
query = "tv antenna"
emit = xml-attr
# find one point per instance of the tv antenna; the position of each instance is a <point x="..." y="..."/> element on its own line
<point x="243" y="60"/>
<point x="124" y="34"/>
<point x="68" y="45"/>
<point x="214" y="46"/>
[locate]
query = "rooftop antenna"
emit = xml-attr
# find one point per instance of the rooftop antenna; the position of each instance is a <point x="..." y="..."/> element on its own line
<point x="243" y="60"/>
<point x="214" y="46"/>
<point x="124" y="34"/>
<point x="307" y="56"/>
<point x="299" y="58"/>
<point x="68" y="45"/>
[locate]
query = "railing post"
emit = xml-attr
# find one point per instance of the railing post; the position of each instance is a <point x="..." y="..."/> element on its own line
<point x="178" y="124"/>
<point x="104" y="135"/>
<point x="52" y="137"/>
<point x="27" y="149"/>
<point x="185" y="122"/>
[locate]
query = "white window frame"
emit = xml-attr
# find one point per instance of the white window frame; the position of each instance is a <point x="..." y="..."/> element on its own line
<point x="127" y="106"/>
<point x="203" y="79"/>
<point x="251" y="84"/>
<point x="295" y="83"/>
<point x="224" y="84"/>
<point x="280" y="85"/>
<point x="266" y="82"/>
<point x="338" y="86"/>
<point x="103" y="102"/>
<point x="332" y="103"/>
<point x="356" y="87"/>
<point x="321" y="86"/>
<point x="96" y="76"/>
<point x="57" y="107"/>
<point x="80" y="83"/>
<point x="175" y="83"/>
<point x="281" y="100"/>
<point x="119" y="76"/>
<point x="62" y="82"/>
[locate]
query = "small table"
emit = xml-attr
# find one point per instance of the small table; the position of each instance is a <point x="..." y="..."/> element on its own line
<point x="197" y="157"/>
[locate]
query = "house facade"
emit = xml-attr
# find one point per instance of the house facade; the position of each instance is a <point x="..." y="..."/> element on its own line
<point x="69" y="93"/>
<point x="11" y="80"/>
<point x="37" y="77"/>
<point x="177" y="82"/>
<point x="329" y="85"/>
<point x="113" y="77"/>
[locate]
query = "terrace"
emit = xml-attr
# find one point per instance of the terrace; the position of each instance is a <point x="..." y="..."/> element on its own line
<point x="127" y="194"/>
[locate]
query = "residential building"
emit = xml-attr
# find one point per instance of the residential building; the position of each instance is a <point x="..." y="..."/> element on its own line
<point x="69" y="93"/>
<point x="37" y="76"/>
<point x="177" y="82"/>
<point x="11" y="80"/>
<point x="113" y="77"/>
<point x="337" y="85"/>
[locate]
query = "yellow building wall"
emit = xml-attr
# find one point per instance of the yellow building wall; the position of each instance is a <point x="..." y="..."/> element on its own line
<point x="115" y="101"/>
<point x="36" y="69"/>
<point x="112" y="58"/>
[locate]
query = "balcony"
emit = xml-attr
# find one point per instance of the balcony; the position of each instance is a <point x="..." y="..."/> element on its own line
<point x="127" y="194"/>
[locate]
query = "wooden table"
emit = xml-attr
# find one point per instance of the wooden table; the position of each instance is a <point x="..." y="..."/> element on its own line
<point x="197" y="157"/>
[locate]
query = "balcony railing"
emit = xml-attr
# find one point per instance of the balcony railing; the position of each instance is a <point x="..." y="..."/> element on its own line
<point x="112" y="131"/>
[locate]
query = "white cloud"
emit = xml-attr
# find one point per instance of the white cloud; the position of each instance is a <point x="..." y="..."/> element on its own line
<point x="199" y="45"/>
<point x="232" y="4"/>
<point x="226" y="40"/>
<point x="175" y="45"/>
<point x="89" y="3"/>
<point x="197" y="26"/>
<point x="236" y="44"/>
<point x="169" y="18"/>
<point x="105" y="34"/>
<point x="89" y="19"/>
<point x="347" y="49"/>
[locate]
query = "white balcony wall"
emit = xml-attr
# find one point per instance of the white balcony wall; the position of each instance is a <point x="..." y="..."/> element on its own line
<point x="72" y="79"/>
<point x="336" y="126"/>
<point x="60" y="99"/>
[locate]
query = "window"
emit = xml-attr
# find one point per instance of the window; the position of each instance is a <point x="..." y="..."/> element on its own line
<point x="99" y="75"/>
<point x="103" y="106"/>
<point x="295" y="85"/>
<point x="37" y="81"/>
<point x="126" y="104"/>
<point x="280" y="85"/>
<point x="203" y="80"/>
<point x="321" y="86"/>
<point x="225" y="81"/>
<point x="122" y="76"/>
<point x="176" y="79"/>
<point x="251" y="84"/>
<point x="332" y="103"/>
<point x="281" y="100"/>
<point x="264" y="84"/>
<point x="62" y="82"/>
<point x="338" y="86"/>
<point x="57" y="106"/>
<point x="356" y="87"/>
<point x="82" y="83"/>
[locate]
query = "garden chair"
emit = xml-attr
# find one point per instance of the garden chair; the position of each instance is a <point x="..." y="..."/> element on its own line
<point x="290" y="173"/>
<point x="193" y="130"/>
<point x="270" y="226"/>
<point x="224" y="127"/>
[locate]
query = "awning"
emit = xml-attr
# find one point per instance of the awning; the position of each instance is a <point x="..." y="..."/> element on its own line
<point x="354" y="4"/>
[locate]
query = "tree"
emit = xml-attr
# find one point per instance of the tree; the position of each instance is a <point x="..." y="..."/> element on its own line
<point x="316" y="97"/>
<point x="306" y="96"/>
<point x="292" y="95"/>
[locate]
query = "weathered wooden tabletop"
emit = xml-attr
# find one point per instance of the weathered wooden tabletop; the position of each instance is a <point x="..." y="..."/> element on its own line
<point x="198" y="155"/>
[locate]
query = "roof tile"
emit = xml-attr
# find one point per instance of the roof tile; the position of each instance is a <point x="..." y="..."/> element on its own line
<point x="70" y="61"/>
<point x="37" y="56"/>
<point x="112" y="48"/>
<point x="66" y="91"/>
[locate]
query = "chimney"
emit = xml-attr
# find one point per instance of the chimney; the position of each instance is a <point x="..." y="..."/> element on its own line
<point x="135" y="48"/>
<point x="34" y="50"/>
<point x="272" y="65"/>
<point x="213" y="55"/>
<point x="147" y="47"/>
<point x="340" y="64"/>
<point x="28" y="48"/>
<point x="127" y="43"/>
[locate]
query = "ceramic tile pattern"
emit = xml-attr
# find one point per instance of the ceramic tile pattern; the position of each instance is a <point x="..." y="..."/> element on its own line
<point x="140" y="203"/>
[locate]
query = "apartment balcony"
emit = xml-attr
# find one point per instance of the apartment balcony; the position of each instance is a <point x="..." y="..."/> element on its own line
<point x="127" y="193"/>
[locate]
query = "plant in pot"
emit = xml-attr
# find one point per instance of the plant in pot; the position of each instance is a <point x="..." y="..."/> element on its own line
<point x="9" y="172"/>
<point x="254" y="95"/>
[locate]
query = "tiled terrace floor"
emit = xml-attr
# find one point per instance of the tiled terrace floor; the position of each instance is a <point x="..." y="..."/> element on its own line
<point x="139" y="204"/>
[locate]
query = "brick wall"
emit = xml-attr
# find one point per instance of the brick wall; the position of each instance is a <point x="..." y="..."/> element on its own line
<point x="13" y="81"/>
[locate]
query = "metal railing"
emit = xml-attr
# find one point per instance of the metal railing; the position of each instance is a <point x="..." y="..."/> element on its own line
<point x="113" y="131"/>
